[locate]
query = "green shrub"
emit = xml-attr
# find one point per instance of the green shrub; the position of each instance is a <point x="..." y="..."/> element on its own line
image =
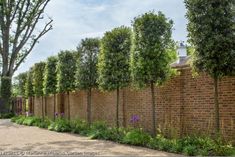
<point x="6" y="115"/>
<point x="44" y="123"/>
<point x="136" y="137"/>
<point x="20" y="120"/>
<point x="32" y="121"/>
<point x="60" y="125"/>
<point x="79" y="127"/>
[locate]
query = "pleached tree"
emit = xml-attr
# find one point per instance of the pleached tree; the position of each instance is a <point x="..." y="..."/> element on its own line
<point x="38" y="74"/>
<point x="211" y="32"/>
<point x="29" y="92"/>
<point x="152" y="53"/>
<point x="50" y="81"/>
<point x="66" y="69"/>
<point x="113" y="62"/>
<point x="86" y="74"/>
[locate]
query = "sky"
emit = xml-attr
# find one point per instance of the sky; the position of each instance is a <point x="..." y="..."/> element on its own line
<point x="78" y="19"/>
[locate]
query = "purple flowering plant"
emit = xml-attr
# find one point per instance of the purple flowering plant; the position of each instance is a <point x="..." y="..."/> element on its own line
<point x="134" y="120"/>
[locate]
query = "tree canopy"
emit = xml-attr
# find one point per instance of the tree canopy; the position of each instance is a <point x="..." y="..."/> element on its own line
<point x="86" y="74"/>
<point x="38" y="74"/>
<point x="21" y="82"/>
<point x="29" y="92"/>
<point x="113" y="64"/>
<point x="66" y="70"/>
<point x="50" y="81"/>
<point x="153" y="49"/>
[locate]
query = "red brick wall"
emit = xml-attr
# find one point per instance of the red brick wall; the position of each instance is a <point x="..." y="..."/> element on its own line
<point x="185" y="105"/>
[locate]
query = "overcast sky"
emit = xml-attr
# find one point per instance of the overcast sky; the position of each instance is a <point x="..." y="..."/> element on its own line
<point x="78" y="19"/>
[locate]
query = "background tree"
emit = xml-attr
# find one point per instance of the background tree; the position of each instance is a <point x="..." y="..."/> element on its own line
<point x="113" y="63"/>
<point x="66" y="69"/>
<point x="50" y="81"/>
<point x="86" y="74"/>
<point x="38" y="74"/>
<point x="152" y="53"/>
<point x="29" y="92"/>
<point x="211" y="31"/>
<point x="18" y="36"/>
<point x="21" y="81"/>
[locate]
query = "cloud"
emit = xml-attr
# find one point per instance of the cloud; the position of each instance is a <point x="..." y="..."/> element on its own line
<point x="78" y="19"/>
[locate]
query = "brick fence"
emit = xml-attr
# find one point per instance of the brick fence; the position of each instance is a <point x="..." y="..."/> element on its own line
<point x="185" y="105"/>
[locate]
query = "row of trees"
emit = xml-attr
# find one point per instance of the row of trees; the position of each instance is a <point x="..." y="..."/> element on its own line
<point x="122" y="57"/>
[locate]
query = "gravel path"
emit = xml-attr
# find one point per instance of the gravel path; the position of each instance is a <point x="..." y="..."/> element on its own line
<point x="23" y="140"/>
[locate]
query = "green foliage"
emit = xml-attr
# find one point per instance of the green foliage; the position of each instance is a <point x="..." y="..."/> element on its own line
<point x="211" y="31"/>
<point x="29" y="92"/>
<point x="31" y="121"/>
<point x="66" y="69"/>
<point x="136" y="137"/>
<point x="44" y="123"/>
<point x="60" y="125"/>
<point x="5" y="92"/>
<point x="80" y="127"/>
<point x="21" y="82"/>
<point x="6" y="115"/>
<point x="86" y="74"/>
<point x="113" y="61"/>
<point x="153" y="49"/>
<point x="38" y="74"/>
<point x="50" y="82"/>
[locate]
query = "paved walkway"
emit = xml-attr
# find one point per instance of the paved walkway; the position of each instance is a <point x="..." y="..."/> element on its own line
<point x="17" y="140"/>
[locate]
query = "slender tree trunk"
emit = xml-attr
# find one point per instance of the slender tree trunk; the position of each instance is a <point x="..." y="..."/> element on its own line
<point x="45" y="105"/>
<point x="68" y="106"/>
<point x="117" y="109"/>
<point x="54" y="108"/>
<point x="153" y="109"/>
<point x="89" y="106"/>
<point x="216" y="101"/>
<point x="42" y="109"/>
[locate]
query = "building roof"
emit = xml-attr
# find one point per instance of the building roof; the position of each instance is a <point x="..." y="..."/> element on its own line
<point x="184" y="61"/>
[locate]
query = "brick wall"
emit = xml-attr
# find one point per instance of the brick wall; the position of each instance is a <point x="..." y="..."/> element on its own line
<point x="185" y="105"/>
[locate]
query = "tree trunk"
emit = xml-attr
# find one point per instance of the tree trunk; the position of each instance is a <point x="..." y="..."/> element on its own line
<point x="117" y="109"/>
<point x="216" y="101"/>
<point x="68" y="106"/>
<point x="153" y="109"/>
<point x="54" y="108"/>
<point x="6" y="93"/>
<point x="42" y="109"/>
<point x="89" y="106"/>
<point x="45" y="105"/>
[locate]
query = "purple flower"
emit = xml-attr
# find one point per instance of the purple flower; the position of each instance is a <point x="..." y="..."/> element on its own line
<point x="135" y="118"/>
<point x="62" y="114"/>
<point x="56" y="114"/>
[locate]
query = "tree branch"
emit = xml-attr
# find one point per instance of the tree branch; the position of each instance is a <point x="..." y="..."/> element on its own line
<point x="46" y="29"/>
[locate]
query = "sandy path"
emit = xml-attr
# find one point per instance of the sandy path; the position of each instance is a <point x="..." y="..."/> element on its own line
<point x="18" y="140"/>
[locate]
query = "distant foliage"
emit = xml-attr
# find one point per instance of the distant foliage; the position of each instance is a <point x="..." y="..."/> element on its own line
<point x="50" y="82"/>
<point x="86" y="74"/>
<point x="38" y="74"/>
<point x="66" y="69"/>
<point x="153" y="49"/>
<point x="113" y="65"/>
<point x="20" y="83"/>
<point x="29" y="92"/>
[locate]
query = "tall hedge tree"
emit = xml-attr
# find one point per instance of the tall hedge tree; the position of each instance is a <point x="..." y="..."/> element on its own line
<point x="29" y="92"/>
<point x="50" y="81"/>
<point x="152" y="53"/>
<point x="113" y="62"/>
<point x="38" y="74"/>
<point x="21" y="82"/>
<point x="86" y="75"/>
<point x="20" y="31"/>
<point x="211" y="30"/>
<point x="66" y="69"/>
